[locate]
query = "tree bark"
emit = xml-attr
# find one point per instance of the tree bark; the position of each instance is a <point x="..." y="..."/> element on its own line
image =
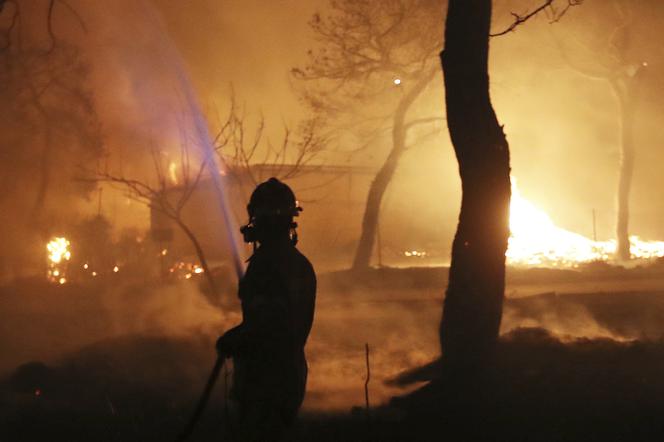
<point x="384" y="176"/>
<point x="473" y="304"/>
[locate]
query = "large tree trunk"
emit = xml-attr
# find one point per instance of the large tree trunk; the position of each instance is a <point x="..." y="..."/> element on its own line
<point x="473" y="303"/>
<point x="384" y="176"/>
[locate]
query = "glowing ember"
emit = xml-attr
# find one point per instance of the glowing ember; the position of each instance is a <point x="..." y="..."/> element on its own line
<point x="536" y="241"/>
<point x="58" y="250"/>
<point x="415" y="253"/>
<point x="185" y="270"/>
<point x="116" y="269"/>
<point x="58" y="256"/>
<point x="173" y="173"/>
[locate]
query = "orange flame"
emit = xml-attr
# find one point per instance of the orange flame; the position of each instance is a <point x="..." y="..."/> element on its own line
<point x="536" y="241"/>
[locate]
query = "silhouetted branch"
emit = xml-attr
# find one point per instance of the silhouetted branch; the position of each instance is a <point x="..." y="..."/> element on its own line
<point x="75" y="14"/>
<point x="50" y="17"/>
<point x="613" y="64"/>
<point x="15" y="19"/>
<point x="420" y="121"/>
<point x="548" y="5"/>
<point x="49" y="25"/>
<point x="166" y="199"/>
<point x="246" y="156"/>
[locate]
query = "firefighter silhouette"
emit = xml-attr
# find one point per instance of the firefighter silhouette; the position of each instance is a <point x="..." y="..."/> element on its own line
<point x="277" y="295"/>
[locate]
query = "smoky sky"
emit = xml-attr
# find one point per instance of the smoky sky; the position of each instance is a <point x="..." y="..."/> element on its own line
<point x="563" y="127"/>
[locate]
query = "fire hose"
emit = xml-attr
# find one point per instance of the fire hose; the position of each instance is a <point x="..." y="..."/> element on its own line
<point x="202" y="401"/>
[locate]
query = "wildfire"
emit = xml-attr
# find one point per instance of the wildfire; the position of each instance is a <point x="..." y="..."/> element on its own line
<point x="415" y="253"/>
<point x="185" y="270"/>
<point x="536" y="241"/>
<point x="58" y="256"/>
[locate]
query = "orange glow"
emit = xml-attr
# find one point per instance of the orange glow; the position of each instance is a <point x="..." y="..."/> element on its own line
<point x="58" y="255"/>
<point x="185" y="270"/>
<point x="536" y="241"/>
<point x="58" y="250"/>
<point x="415" y="253"/>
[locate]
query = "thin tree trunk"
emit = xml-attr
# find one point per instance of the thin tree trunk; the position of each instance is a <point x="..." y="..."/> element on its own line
<point x="45" y="160"/>
<point x="201" y="257"/>
<point x="473" y="304"/>
<point x="44" y="177"/>
<point x="384" y="176"/>
<point x="625" y="180"/>
<point x="626" y="94"/>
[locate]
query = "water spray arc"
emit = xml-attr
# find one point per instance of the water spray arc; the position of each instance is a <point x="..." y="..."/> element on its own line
<point x="202" y="137"/>
<point x="205" y="143"/>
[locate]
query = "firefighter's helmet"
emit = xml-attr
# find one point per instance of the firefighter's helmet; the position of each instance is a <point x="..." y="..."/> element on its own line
<point x="271" y="209"/>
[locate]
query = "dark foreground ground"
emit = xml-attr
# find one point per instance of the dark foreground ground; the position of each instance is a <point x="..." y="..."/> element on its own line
<point x="537" y="389"/>
<point x="141" y="386"/>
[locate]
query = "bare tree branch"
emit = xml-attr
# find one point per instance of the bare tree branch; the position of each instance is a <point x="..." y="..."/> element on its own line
<point x="49" y="26"/>
<point x="12" y="25"/>
<point x="555" y="14"/>
<point x="247" y="157"/>
<point x="165" y="198"/>
<point x="15" y="22"/>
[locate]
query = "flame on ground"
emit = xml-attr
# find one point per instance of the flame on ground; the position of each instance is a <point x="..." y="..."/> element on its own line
<point x="185" y="270"/>
<point x="58" y="257"/>
<point x="536" y="241"/>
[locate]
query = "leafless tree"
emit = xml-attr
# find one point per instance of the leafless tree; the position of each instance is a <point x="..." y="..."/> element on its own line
<point x="164" y="196"/>
<point x="611" y="58"/>
<point x="49" y="127"/>
<point x="554" y="9"/>
<point x="241" y="155"/>
<point x="380" y="52"/>
<point x="248" y="156"/>
<point x="384" y="53"/>
<point x="46" y="99"/>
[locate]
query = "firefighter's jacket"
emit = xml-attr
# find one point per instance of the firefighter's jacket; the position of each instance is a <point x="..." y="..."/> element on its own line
<point x="278" y="295"/>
